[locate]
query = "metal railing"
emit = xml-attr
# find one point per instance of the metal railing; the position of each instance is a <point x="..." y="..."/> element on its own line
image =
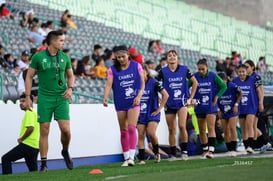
<point x="78" y="94"/>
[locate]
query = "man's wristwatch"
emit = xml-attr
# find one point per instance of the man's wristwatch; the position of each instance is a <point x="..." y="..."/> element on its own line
<point x="71" y="88"/>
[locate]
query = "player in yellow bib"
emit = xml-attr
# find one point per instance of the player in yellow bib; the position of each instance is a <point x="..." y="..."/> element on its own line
<point x="28" y="147"/>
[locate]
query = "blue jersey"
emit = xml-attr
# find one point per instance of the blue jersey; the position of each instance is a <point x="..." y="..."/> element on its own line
<point x="227" y="100"/>
<point x="248" y="104"/>
<point x="176" y="85"/>
<point x="149" y="102"/>
<point x="126" y="86"/>
<point x="205" y="93"/>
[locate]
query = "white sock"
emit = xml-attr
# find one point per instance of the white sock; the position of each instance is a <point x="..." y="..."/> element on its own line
<point x="132" y="154"/>
<point x="126" y="155"/>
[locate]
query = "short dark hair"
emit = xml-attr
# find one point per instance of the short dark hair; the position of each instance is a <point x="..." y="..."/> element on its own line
<point x="120" y="48"/>
<point x="23" y="95"/>
<point x="97" y="46"/>
<point x="49" y="22"/>
<point x="52" y="35"/>
<point x="242" y="66"/>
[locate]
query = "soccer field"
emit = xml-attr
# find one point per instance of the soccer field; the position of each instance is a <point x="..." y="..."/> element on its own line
<point x="223" y="169"/>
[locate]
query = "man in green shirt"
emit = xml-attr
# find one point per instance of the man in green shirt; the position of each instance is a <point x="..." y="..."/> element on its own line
<point x="56" y="81"/>
<point x="28" y="147"/>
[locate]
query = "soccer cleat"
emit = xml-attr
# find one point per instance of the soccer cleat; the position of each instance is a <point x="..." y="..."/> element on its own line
<point x="210" y="155"/>
<point x="233" y="153"/>
<point x="157" y="158"/>
<point x="67" y="159"/>
<point x="43" y="168"/>
<point x="125" y="163"/>
<point x="249" y="150"/>
<point x="172" y="158"/>
<point x="184" y="157"/>
<point x="204" y="155"/>
<point x="268" y="146"/>
<point x="142" y="162"/>
<point x="263" y="149"/>
<point x="131" y="162"/>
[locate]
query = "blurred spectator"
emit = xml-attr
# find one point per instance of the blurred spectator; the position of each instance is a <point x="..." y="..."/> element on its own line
<point x="152" y="47"/>
<point x="158" y="46"/>
<point x="227" y="62"/>
<point x="29" y="19"/>
<point x="261" y="65"/>
<point x="109" y="59"/>
<point x="151" y="66"/>
<point x="135" y="55"/>
<point x="67" y="19"/>
<point x="96" y="52"/>
<point x="4" y="11"/>
<point x="32" y="52"/>
<point x="64" y="31"/>
<point x="84" y="68"/>
<point x="16" y="70"/>
<point x="49" y="26"/>
<point x="2" y="52"/>
<point x="9" y="61"/>
<point x="34" y="36"/>
<point x="162" y="63"/>
<point x="23" y="63"/>
<point x="155" y="48"/>
<point x="234" y="57"/>
<point x="42" y="30"/>
<point x="64" y="16"/>
<point x="240" y="58"/>
<point x="74" y="64"/>
<point x="101" y="69"/>
<point x="231" y="71"/>
<point x="43" y="46"/>
<point x="220" y="66"/>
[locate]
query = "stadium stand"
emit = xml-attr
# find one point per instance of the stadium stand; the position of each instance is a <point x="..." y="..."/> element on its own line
<point x="193" y="32"/>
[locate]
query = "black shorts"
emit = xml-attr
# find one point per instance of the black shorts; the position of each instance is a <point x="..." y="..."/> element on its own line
<point x="171" y="111"/>
<point x="203" y="115"/>
<point x="242" y="116"/>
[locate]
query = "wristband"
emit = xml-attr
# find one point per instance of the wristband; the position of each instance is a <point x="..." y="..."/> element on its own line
<point x="71" y="88"/>
<point x="236" y="104"/>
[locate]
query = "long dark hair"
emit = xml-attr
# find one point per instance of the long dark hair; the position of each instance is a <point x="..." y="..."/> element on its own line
<point x="145" y="68"/>
<point x="251" y="63"/>
<point x="202" y="61"/>
<point x="115" y="50"/>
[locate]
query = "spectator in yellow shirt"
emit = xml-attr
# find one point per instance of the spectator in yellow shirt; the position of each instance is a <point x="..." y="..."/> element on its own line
<point x="28" y="141"/>
<point x="101" y="69"/>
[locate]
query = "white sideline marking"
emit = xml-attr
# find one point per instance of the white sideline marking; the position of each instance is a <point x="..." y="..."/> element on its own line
<point x="116" y="177"/>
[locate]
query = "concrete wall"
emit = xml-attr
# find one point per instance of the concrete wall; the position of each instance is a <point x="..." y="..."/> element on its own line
<point x="94" y="130"/>
<point x="254" y="11"/>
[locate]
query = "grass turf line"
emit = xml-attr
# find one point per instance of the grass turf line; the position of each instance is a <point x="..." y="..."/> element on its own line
<point x="224" y="169"/>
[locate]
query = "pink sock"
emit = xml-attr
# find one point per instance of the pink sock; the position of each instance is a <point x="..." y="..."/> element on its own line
<point x="132" y="136"/>
<point x="124" y="138"/>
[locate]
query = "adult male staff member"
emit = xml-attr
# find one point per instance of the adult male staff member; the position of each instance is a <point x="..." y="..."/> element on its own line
<point x="28" y="141"/>
<point x="56" y="81"/>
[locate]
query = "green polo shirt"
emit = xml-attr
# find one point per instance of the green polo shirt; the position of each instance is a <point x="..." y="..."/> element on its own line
<point x="48" y="74"/>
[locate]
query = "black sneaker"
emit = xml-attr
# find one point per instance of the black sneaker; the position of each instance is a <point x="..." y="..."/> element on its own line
<point x="43" y="168"/>
<point x="67" y="159"/>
